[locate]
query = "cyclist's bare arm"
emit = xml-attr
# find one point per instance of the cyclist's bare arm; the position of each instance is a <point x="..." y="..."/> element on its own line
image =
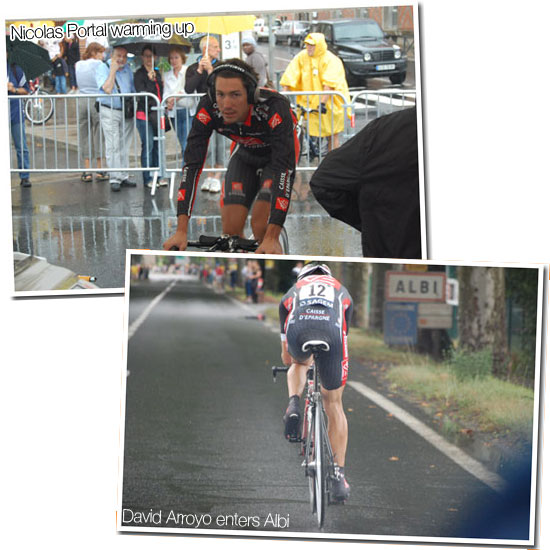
<point x="179" y="238"/>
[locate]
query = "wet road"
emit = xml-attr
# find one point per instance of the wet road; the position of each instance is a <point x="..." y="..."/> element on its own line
<point x="87" y="228"/>
<point x="203" y="436"/>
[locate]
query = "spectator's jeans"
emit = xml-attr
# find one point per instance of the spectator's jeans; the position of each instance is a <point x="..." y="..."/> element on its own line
<point x="20" y="143"/>
<point x="72" y="76"/>
<point x="182" y="123"/>
<point x="117" y="132"/>
<point x="149" y="148"/>
<point x="61" y="84"/>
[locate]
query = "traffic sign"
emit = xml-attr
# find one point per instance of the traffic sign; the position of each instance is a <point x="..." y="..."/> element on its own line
<point x="402" y="286"/>
<point x="400" y="324"/>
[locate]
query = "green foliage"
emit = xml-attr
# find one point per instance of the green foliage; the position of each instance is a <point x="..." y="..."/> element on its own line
<point x="521" y="291"/>
<point x="467" y="365"/>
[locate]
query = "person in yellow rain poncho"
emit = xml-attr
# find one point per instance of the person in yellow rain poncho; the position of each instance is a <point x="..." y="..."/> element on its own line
<point x="317" y="69"/>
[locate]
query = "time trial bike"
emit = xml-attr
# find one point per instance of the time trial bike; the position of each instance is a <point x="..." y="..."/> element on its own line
<point x="318" y="461"/>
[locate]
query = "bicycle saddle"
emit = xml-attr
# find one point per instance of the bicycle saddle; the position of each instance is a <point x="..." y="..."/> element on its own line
<point x="315" y="345"/>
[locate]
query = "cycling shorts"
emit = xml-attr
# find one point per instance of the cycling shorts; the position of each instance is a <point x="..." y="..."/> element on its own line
<point x="243" y="180"/>
<point x="319" y="323"/>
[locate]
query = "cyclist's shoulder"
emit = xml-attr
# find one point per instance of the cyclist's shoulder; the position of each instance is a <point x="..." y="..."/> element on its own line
<point x="207" y="111"/>
<point x="287" y="297"/>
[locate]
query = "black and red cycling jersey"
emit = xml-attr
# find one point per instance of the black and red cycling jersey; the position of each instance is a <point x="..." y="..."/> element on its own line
<point x="268" y="136"/>
<point x="318" y="307"/>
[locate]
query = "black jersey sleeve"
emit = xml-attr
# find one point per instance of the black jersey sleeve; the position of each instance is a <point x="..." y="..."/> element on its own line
<point x="195" y="155"/>
<point x="282" y="163"/>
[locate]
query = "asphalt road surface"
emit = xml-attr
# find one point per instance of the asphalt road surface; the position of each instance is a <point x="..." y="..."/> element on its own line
<point x="203" y="443"/>
<point x="87" y="228"/>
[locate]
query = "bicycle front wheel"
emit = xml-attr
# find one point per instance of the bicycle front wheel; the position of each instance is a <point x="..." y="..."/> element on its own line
<point x="39" y="108"/>
<point x="283" y="239"/>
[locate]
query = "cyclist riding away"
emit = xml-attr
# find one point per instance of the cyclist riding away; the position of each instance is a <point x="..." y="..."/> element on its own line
<point x="318" y="307"/>
<point x="261" y="168"/>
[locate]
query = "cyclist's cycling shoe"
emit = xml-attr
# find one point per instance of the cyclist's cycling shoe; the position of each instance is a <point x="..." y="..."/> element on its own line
<point x="292" y="419"/>
<point x="340" y="488"/>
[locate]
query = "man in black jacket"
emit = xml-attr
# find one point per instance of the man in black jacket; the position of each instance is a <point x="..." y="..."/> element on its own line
<point x="372" y="183"/>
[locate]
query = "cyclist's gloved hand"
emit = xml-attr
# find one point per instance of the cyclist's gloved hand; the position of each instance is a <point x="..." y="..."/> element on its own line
<point x="323" y="109"/>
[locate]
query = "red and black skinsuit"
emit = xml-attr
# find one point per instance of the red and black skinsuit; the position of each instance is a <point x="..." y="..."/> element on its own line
<point x="263" y="154"/>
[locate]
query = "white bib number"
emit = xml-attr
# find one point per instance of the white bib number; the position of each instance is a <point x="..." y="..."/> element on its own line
<point x="317" y="292"/>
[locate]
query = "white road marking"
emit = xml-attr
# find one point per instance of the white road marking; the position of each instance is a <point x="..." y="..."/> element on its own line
<point x="246" y="307"/>
<point x="465" y="461"/>
<point x="138" y="322"/>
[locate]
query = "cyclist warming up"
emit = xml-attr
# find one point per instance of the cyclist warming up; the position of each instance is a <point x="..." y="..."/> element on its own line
<point x="318" y="307"/>
<point x="262" y="164"/>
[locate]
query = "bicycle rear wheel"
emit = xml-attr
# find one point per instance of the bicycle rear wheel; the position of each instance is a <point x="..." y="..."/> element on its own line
<point x="39" y="108"/>
<point x="309" y="454"/>
<point x="320" y="468"/>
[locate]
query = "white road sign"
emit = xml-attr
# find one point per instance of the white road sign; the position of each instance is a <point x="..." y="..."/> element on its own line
<point x="402" y="286"/>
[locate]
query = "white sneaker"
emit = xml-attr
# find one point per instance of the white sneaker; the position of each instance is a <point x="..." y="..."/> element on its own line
<point x="215" y="185"/>
<point x="163" y="182"/>
<point x="206" y="185"/>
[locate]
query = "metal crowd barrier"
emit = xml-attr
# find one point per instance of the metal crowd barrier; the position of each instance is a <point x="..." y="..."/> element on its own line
<point x="312" y="155"/>
<point x="55" y="144"/>
<point x="59" y="144"/>
<point x="373" y="104"/>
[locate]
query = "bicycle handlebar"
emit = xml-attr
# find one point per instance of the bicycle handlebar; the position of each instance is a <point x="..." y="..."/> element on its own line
<point x="224" y="243"/>
<point x="275" y="369"/>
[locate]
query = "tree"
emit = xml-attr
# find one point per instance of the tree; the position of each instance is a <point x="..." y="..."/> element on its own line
<point x="482" y="313"/>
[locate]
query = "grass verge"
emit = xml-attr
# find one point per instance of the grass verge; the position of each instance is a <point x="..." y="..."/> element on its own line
<point x="484" y="404"/>
<point x="477" y="404"/>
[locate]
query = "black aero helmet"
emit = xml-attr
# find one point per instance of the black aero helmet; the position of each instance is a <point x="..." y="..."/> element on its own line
<point x="314" y="269"/>
<point x="234" y="68"/>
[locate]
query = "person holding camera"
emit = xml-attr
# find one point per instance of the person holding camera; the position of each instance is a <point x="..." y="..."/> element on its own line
<point x="116" y="115"/>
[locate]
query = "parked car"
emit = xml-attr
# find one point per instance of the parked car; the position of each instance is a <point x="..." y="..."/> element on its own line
<point x="364" y="49"/>
<point x="290" y="32"/>
<point x="261" y="28"/>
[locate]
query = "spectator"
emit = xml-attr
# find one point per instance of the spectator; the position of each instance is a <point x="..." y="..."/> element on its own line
<point x="257" y="280"/>
<point x="317" y="69"/>
<point x="88" y="117"/>
<point x="195" y="82"/>
<point x="60" y="71"/>
<point x="113" y="77"/>
<point x="148" y="79"/>
<point x="72" y="56"/>
<point x="179" y="109"/>
<point x="256" y="60"/>
<point x="54" y="49"/>
<point x="18" y="86"/>
<point x="233" y="273"/>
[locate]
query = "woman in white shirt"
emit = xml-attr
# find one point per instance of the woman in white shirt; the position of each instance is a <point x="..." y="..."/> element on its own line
<point x="180" y="110"/>
<point x="88" y="117"/>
